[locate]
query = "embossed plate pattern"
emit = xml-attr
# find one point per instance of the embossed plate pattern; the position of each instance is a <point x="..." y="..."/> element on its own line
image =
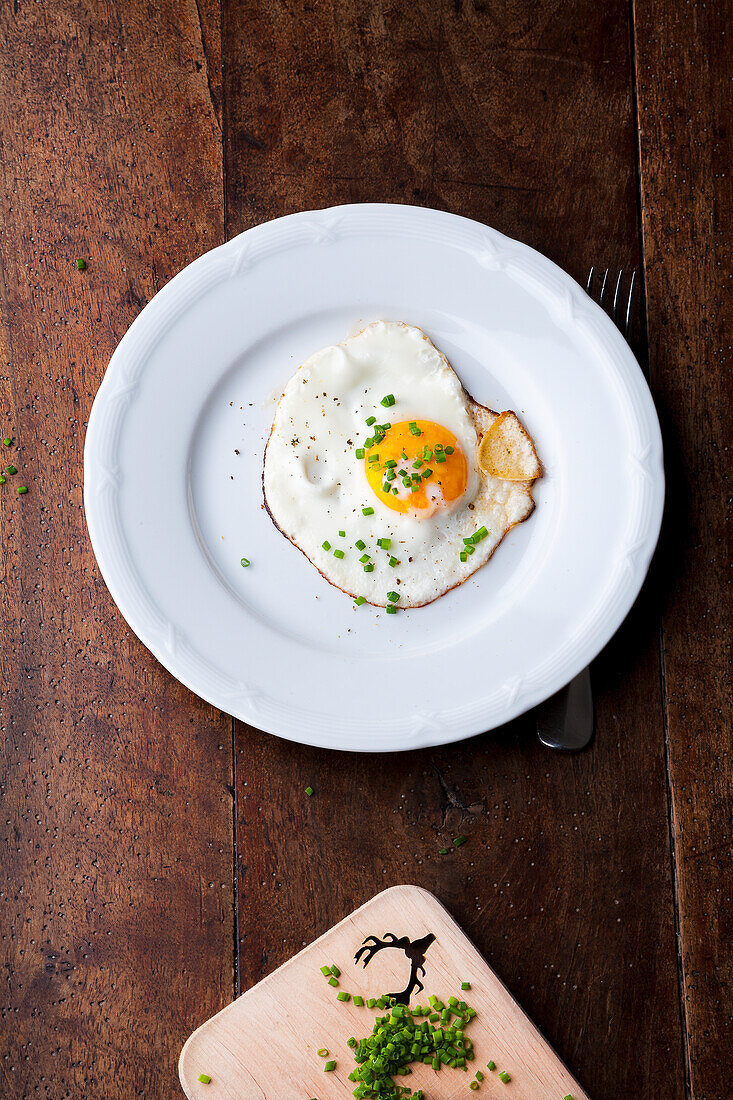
<point x="172" y="471"/>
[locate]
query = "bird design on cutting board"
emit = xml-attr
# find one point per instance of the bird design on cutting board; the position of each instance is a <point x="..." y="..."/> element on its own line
<point x="414" y="950"/>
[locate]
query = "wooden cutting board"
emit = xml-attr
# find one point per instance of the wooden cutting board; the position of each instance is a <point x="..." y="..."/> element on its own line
<point x="264" y="1044"/>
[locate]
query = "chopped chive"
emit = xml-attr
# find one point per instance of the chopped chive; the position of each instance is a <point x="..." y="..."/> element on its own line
<point x="333" y="981"/>
<point x="473" y="1085"/>
<point x="442" y="851"/>
<point x="7" y="442"/>
<point x="438" y="447"/>
<point x="479" y="535"/>
<point x="406" y="482"/>
<point x="504" y="1076"/>
<point x="463" y="555"/>
<point x="373" y="458"/>
<point x="359" y="452"/>
<point x="309" y="791"/>
<point x="335" y="970"/>
<point x="81" y="264"/>
<point x="338" y="554"/>
<point x="390" y="475"/>
<point x="479" y="1075"/>
<point x="427" y="473"/>
<point x="394" y="491"/>
<point x="360" y="600"/>
<point x="414" y="430"/>
<point x="491" y="1065"/>
<point x="367" y="511"/>
<point x="360" y="544"/>
<point x="329" y="1066"/>
<point x="343" y="996"/>
<point x="369" y="567"/>
<point x="342" y="534"/>
<point x="358" y="1001"/>
<point x="203" y="1077"/>
<point x="384" y="543"/>
<point x="322" y="1053"/>
<point x="427" y="454"/>
<point x="386" y="487"/>
<point x="385" y="427"/>
<point x="12" y="469"/>
<point x="388" y="400"/>
<point x="449" y="450"/>
<point x="391" y="609"/>
<point x="371" y="420"/>
<point x="393" y="596"/>
<point x="326" y="545"/>
<point x="568" y="1097"/>
<point x="364" y="558"/>
<point x="459" y="840"/>
<point x="371" y="1002"/>
<point x="470" y="550"/>
<point x="440" y="457"/>
<point x="391" y="462"/>
<point x="393" y="561"/>
<point x="325" y="970"/>
<point x="368" y="442"/>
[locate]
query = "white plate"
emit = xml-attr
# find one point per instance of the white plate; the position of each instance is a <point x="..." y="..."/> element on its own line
<point x="172" y="508"/>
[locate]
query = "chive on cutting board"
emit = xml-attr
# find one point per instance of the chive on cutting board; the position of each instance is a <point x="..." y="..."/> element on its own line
<point x="264" y="1044"/>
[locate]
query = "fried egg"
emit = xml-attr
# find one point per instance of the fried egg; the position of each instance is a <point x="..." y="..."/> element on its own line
<point x="387" y="474"/>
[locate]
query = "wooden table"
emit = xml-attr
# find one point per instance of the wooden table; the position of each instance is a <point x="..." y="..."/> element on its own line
<point x="157" y="857"/>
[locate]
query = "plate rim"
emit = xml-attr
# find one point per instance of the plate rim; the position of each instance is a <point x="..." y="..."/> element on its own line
<point x="491" y="249"/>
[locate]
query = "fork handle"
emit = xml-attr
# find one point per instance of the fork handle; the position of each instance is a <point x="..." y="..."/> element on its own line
<point x="565" y="720"/>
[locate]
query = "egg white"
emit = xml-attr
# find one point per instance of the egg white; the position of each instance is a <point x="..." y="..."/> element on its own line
<point x="315" y="486"/>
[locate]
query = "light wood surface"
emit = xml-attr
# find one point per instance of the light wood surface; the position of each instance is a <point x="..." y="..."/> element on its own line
<point x="265" y="1044"/>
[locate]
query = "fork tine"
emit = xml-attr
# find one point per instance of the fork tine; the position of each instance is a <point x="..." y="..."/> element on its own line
<point x="616" y="293"/>
<point x="627" y="324"/>
<point x="589" y="284"/>
<point x="603" y="288"/>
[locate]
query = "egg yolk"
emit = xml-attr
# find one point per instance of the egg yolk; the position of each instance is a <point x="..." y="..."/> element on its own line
<point x="418" y="467"/>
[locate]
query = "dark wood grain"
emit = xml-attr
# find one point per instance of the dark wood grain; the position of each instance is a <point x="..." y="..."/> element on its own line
<point x="684" y="59"/>
<point x="521" y="116"/>
<point x="115" y="828"/>
<point x="128" y="129"/>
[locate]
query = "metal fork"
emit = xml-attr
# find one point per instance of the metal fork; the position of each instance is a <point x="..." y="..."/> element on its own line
<point x="566" y="720"/>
